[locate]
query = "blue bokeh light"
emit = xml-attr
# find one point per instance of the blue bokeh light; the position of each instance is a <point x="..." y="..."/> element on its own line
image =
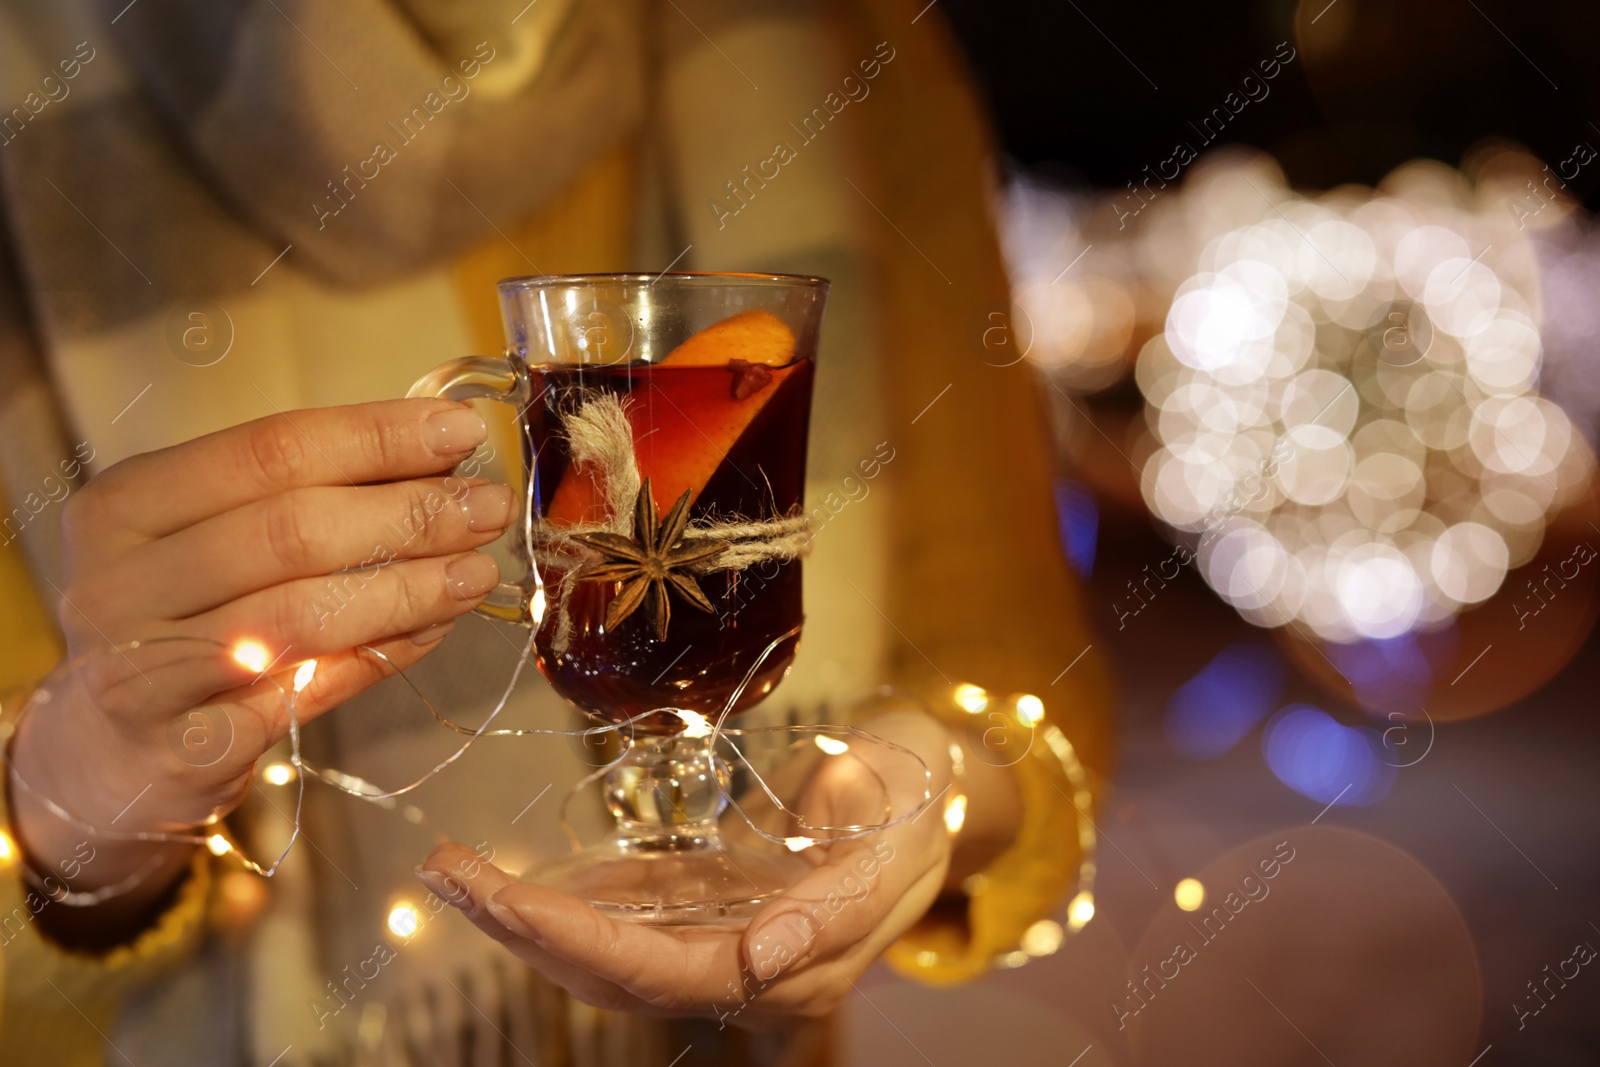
<point x="1078" y="523"/>
<point x="1314" y="754"/>
<point x="1214" y="710"/>
<point x="1395" y="673"/>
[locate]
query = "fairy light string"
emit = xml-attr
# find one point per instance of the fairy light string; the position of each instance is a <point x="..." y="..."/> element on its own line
<point x="695" y="725"/>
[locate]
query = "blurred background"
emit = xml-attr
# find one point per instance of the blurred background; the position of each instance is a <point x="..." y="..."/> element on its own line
<point x="1314" y="288"/>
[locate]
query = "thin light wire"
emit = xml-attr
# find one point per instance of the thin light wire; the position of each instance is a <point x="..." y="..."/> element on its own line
<point x="367" y="791"/>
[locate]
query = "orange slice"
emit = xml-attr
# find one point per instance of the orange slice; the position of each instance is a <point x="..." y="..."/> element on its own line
<point x="753" y="336"/>
<point x="683" y="431"/>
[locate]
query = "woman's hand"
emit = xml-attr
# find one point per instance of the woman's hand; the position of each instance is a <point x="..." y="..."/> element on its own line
<point x="800" y="957"/>
<point x="234" y="537"/>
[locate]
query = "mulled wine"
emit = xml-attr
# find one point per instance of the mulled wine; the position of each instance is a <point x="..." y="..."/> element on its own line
<point x="732" y="436"/>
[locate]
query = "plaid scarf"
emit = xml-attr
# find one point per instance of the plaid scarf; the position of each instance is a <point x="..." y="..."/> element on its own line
<point x="157" y="158"/>
<point x="202" y="139"/>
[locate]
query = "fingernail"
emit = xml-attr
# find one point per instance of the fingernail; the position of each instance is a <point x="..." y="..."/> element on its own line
<point x="782" y="943"/>
<point x="430" y="634"/>
<point x="446" y="889"/>
<point x="452" y="432"/>
<point x="487" y="507"/>
<point x="472" y="576"/>
<point x="508" y="918"/>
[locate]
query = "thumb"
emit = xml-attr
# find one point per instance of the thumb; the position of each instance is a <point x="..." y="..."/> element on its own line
<point x="830" y="910"/>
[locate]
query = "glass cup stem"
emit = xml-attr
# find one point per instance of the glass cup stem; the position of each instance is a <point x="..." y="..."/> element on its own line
<point x="667" y="793"/>
<point x="666" y="861"/>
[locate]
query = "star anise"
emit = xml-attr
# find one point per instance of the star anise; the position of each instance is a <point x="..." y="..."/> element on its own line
<point x="651" y="562"/>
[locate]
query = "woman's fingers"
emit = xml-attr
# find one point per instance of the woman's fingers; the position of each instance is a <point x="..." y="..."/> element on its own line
<point x="315" y="616"/>
<point x="867" y="892"/>
<point x="167" y="675"/>
<point x="832" y="909"/>
<point x="338" y="677"/>
<point x="346" y="673"/>
<point x="684" y="969"/>
<point x="457" y="874"/>
<point x="309" y="532"/>
<point x="801" y="954"/>
<point x="699" y="971"/>
<point x="161" y="678"/>
<point x="158" y="493"/>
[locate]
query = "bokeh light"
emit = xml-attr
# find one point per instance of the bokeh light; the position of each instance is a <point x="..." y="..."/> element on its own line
<point x="1316" y="755"/>
<point x="833" y="746"/>
<point x="1189" y="894"/>
<point x="252" y="656"/>
<point x="694" y="723"/>
<point x="277" y="773"/>
<point x="1043" y="937"/>
<point x="955" y="813"/>
<point x="971" y="698"/>
<point x="1343" y="400"/>
<point x="1080" y="911"/>
<point x="1394" y="674"/>
<point x="1214" y="710"/>
<point x="1078" y="524"/>
<point x="404" y="920"/>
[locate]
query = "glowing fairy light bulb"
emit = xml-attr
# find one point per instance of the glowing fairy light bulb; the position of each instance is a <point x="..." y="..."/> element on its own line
<point x="252" y="656"/>
<point x="1043" y="937"/>
<point x="219" y="845"/>
<point x="1189" y="894"/>
<point x="8" y="849"/>
<point x="303" y="676"/>
<point x="694" y="723"/>
<point x="798" y="844"/>
<point x="832" y="745"/>
<point x="404" y="920"/>
<point x="1081" y="910"/>
<point x="537" y="607"/>
<point x="277" y="774"/>
<point x="971" y="698"/>
<point x="955" y="813"/>
<point x="1030" y="709"/>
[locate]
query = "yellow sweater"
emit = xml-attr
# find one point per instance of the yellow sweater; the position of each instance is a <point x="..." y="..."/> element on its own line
<point x="60" y="1005"/>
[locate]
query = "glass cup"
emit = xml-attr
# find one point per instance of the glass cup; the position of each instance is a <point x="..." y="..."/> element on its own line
<point x="663" y="422"/>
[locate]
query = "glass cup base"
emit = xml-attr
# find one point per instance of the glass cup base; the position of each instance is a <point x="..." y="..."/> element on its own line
<point x="675" y="880"/>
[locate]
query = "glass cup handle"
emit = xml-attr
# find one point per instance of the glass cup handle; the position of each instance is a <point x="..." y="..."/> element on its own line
<point x="484" y="378"/>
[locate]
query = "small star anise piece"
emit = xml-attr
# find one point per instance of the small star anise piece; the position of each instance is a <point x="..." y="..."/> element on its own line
<point x="651" y="563"/>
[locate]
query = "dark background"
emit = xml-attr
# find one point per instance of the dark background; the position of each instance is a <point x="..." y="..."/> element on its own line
<point x="1374" y="83"/>
<point x="1526" y="884"/>
<point x="1501" y="812"/>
